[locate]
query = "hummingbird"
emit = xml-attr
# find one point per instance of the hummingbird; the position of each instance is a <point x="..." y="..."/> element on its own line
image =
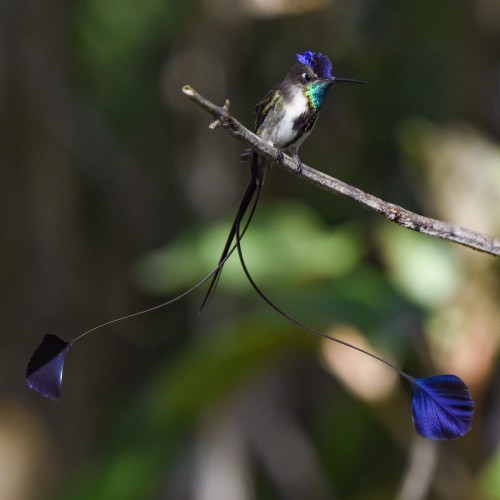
<point x="442" y="407"/>
<point x="284" y="118"/>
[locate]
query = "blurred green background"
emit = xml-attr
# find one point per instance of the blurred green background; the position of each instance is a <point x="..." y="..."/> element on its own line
<point x="116" y="196"/>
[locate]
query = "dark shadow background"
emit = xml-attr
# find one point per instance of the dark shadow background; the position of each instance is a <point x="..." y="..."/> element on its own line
<point x="116" y="196"/>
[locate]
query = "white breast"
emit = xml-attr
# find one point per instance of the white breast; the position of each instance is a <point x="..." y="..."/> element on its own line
<point x="298" y="104"/>
<point x="282" y="132"/>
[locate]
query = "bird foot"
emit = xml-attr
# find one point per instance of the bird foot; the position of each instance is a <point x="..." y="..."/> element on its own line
<point x="298" y="167"/>
<point x="281" y="155"/>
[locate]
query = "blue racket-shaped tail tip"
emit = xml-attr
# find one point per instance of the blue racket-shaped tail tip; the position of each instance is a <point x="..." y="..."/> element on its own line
<point x="442" y="407"/>
<point x="45" y="368"/>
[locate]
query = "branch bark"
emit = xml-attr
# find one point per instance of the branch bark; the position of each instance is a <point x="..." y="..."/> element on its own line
<point x="395" y="213"/>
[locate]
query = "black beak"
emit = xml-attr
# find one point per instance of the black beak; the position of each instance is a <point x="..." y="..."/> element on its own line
<point x="347" y="80"/>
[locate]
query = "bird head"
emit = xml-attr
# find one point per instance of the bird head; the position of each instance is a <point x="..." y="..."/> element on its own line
<point x="314" y="67"/>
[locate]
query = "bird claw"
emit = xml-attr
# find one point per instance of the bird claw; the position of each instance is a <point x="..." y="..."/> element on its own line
<point x="298" y="167"/>
<point x="280" y="154"/>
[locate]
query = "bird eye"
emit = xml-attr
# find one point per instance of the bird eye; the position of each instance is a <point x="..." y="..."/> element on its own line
<point x="306" y="77"/>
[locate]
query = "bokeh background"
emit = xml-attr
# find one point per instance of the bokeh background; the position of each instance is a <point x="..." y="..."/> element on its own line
<point x="116" y="196"/>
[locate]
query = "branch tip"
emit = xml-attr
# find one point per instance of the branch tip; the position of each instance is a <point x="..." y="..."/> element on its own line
<point x="214" y="124"/>
<point x="188" y="90"/>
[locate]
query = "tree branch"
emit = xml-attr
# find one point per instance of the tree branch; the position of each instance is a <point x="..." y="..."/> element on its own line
<point x="395" y="213"/>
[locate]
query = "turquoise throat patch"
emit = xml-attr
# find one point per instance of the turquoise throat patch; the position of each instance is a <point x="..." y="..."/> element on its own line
<point x="316" y="92"/>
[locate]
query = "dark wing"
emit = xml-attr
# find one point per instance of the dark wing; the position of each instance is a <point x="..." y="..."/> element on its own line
<point x="263" y="107"/>
<point x="261" y="110"/>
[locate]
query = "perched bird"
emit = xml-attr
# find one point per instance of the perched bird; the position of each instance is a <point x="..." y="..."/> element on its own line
<point x="285" y="118"/>
<point x="442" y="407"/>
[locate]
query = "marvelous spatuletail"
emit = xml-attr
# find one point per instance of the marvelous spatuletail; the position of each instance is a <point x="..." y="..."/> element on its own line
<point x="285" y="118"/>
<point x="442" y="407"/>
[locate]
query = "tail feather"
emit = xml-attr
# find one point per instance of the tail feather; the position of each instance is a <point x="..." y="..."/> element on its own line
<point x="253" y="186"/>
<point x="442" y="407"/>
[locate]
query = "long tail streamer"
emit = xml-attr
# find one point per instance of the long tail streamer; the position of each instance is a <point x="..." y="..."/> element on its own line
<point x="442" y="407"/>
<point x="44" y="373"/>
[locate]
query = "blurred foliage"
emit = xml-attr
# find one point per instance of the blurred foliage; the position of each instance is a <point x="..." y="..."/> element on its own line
<point x="289" y="247"/>
<point x="117" y="196"/>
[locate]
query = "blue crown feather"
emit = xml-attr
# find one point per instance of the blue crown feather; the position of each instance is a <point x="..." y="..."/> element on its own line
<point x="319" y="63"/>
